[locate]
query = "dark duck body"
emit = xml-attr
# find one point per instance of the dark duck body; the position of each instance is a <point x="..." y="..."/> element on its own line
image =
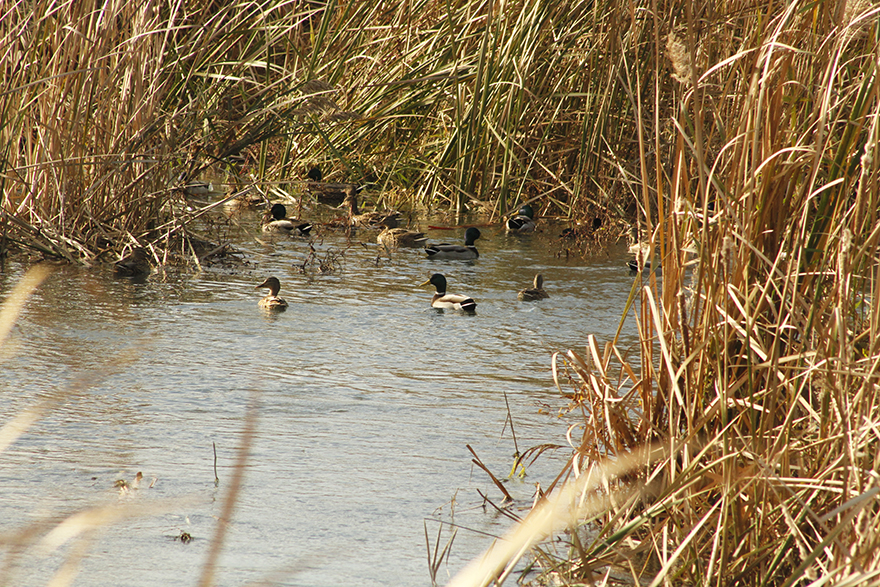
<point x="531" y="294"/>
<point x="136" y="264"/>
<point x="447" y="251"/>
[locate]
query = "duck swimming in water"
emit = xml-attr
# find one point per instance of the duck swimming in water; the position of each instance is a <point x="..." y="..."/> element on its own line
<point x="393" y="237"/>
<point x="279" y="223"/>
<point x="367" y="219"/>
<point x="136" y="264"/>
<point x="242" y="200"/>
<point x="466" y="251"/>
<point x="530" y="294"/>
<point x="523" y="222"/>
<point x="272" y="301"/>
<point x="448" y="301"/>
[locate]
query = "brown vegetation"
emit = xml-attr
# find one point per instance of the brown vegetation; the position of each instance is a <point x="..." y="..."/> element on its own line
<point x="742" y="136"/>
<point x="757" y="381"/>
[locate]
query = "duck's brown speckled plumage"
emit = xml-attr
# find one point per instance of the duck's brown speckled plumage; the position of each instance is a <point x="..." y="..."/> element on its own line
<point x="136" y="264"/>
<point x="272" y="301"/>
<point x="530" y="294"/>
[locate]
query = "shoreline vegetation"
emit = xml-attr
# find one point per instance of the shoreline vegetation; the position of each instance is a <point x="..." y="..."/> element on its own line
<point x="740" y="444"/>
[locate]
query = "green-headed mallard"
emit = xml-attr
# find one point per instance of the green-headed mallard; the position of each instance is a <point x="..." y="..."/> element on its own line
<point x="367" y="219"/>
<point x="136" y="264"/>
<point x="272" y="301"/>
<point x="524" y="221"/>
<point x="466" y="251"/>
<point x="530" y="294"/>
<point x="393" y="237"/>
<point x="278" y="222"/>
<point x="445" y="300"/>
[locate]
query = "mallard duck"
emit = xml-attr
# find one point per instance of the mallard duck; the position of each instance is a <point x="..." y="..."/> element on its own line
<point x="278" y="222"/>
<point x="244" y="200"/>
<point x="198" y="188"/>
<point x="530" y="294"/>
<point x="633" y="267"/>
<point x="367" y="219"/>
<point x="136" y="264"/>
<point x="466" y="251"/>
<point x="393" y="237"/>
<point x="272" y="301"/>
<point x="444" y="300"/>
<point x="523" y="221"/>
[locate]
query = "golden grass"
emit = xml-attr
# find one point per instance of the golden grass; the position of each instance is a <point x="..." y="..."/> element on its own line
<point x="758" y="368"/>
<point x="742" y="139"/>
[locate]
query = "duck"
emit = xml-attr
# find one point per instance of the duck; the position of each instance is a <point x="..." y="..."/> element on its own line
<point x="633" y="267"/>
<point x="243" y="200"/>
<point x="198" y="188"/>
<point x="393" y="237"/>
<point x="531" y="294"/>
<point x="523" y="222"/>
<point x="367" y="219"/>
<point x="444" y="300"/>
<point x="135" y="264"/>
<point x="272" y="301"/>
<point x="466" y="251"/>
<point x="281" y="224"/>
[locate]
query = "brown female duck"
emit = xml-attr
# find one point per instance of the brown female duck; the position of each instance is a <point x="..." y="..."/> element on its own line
<point x="272" y="301"/>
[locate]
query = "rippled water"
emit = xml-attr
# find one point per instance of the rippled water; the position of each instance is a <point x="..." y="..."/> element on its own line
<point x="366" y="396"/>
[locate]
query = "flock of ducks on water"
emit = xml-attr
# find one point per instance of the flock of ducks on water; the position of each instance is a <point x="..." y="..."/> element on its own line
<point x="276" y="221"/>
<point x="393" y="236"/>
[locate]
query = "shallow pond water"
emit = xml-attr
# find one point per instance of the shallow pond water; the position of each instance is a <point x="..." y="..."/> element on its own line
<point x="366" y="399"/>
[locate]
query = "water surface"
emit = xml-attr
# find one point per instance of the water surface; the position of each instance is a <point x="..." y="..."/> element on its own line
<point x="366" y="399"/>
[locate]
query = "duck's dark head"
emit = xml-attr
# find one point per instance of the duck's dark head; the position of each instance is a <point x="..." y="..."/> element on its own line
<point x="527" y="211"/>
<point x="278" y="211"/>
<point x="471" y="235"/>
<point x="438" y="281"/>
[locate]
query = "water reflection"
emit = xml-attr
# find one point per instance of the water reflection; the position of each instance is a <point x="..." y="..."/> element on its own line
<point x="367" y="399"/>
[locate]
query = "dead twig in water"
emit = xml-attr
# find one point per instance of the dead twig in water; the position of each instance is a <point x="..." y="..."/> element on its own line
<point x="476" y="460"/>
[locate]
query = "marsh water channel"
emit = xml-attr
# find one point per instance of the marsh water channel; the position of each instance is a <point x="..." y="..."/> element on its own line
<point x="366" y="401"/>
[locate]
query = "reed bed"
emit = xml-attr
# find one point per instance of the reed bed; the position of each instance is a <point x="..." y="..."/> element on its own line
<point x="737" y="445"/>
<point x="109" y="110"/>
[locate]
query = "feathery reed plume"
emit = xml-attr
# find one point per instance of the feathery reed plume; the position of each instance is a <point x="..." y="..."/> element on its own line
<point x="680" y="59"/>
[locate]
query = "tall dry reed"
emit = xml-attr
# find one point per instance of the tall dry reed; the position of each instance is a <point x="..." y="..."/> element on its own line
<point x="108" y="108"/>
<point x="759" y="363"/>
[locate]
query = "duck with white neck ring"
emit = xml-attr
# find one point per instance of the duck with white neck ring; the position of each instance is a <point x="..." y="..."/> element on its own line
<point x="466" y="251"/>
<point x="448" y="301"/>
